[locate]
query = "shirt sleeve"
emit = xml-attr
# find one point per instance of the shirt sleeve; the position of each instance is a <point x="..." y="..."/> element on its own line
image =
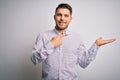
<point x="41" y="49"/>
<point x="86" y="56"/>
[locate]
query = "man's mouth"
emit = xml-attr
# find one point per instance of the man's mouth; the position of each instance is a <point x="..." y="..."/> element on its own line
<point x="62" y="22"/>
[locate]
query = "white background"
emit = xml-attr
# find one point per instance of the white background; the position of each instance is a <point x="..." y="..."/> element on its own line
<point x="22" y="20"/>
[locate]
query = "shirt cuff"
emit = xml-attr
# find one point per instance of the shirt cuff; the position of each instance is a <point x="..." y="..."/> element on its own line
<point x="96" y="46"/>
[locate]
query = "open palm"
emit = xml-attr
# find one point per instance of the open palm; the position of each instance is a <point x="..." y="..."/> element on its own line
<point x="100" y="41"/>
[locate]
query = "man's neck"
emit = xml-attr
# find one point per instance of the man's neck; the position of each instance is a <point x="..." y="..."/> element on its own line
<point x="60" y="31"/>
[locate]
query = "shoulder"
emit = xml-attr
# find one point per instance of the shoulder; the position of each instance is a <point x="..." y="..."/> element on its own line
<point x="45" y="32"/>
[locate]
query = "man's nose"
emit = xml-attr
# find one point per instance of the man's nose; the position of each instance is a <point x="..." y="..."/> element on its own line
<point x="62" y="17"/>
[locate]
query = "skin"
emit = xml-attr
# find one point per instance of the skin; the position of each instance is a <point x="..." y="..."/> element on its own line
<point x="62" y="19"/>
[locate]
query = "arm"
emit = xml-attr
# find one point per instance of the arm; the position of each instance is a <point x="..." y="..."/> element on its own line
<point x="85" y="57"/>
<point x="41" y="50"/>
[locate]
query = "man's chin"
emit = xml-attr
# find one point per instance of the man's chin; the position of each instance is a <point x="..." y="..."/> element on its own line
<point x="61" y="28"/>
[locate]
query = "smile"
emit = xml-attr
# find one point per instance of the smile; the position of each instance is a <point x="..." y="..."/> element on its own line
<point x="62" y="22"/>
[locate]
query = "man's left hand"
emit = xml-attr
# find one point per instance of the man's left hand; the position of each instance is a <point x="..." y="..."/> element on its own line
<point x="100" y="41"/>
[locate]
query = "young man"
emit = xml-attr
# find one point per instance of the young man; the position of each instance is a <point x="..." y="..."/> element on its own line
<point x="60" y="50"/>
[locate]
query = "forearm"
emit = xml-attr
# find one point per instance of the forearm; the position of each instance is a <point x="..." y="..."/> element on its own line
<point x="41" y="53"/>
<point x="86" y="56"/>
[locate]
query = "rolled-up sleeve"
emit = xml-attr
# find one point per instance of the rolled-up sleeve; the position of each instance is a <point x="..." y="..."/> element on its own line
<point x="86" y="56"/>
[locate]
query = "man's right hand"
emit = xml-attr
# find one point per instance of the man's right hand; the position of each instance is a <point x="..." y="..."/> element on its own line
<point x="57" y="40"/>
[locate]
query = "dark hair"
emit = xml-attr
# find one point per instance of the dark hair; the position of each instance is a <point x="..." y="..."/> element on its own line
<point x="65" y="6"/>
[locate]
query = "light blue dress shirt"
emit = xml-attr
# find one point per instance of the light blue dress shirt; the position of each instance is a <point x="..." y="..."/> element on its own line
<point x="61" y="63"/>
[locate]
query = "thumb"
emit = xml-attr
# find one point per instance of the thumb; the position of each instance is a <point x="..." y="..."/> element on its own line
<point x="100" y="38"/>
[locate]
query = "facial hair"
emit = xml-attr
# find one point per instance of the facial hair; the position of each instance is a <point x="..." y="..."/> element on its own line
<point x="59" y="28"/>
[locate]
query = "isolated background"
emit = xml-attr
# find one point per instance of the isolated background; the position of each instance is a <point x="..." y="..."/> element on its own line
<point x="22" y="20"/>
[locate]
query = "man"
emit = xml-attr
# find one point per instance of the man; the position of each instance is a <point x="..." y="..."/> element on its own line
<point x="60" y="50"/>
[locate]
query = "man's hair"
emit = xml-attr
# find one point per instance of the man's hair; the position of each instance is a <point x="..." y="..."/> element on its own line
<point x="64" y="6"/>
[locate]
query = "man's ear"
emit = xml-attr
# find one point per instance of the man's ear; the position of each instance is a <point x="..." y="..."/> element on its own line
<point x="71" y="19"/>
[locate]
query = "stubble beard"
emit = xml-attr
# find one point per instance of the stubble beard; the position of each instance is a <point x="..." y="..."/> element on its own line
<point x="59" y="28"/>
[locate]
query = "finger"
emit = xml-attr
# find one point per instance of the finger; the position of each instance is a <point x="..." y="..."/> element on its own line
<point x="100" y="38"/>
<point x="108" y="41"/>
